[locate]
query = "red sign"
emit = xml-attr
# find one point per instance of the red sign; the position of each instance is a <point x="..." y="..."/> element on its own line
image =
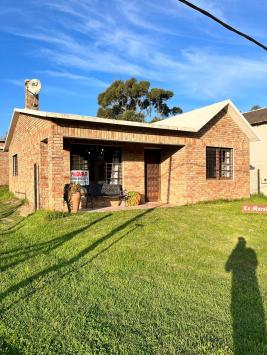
<point x="249" y="208"/>
<point x="79" y="177"/>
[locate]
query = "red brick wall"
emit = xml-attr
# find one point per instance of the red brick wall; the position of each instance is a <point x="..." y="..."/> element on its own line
<point x="26" y="143"/>
<point x="133" y="168"/>
<point x="174" y="175"/>
<point x="3" y="168"/>
<point x="188" y="183"/>
<point x="183" y="167"/>
<point x="225" y="134"/>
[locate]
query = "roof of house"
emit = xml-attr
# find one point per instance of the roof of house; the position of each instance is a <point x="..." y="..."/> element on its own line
<point x="191" y="121"/>
<point x="196" y="119"/>
<point x="256" y="117"/>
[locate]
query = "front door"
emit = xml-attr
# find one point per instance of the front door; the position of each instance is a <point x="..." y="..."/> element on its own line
<point x="152" y="175"/>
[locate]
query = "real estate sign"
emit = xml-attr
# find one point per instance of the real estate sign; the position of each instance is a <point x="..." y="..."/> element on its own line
<point x="79" y="177"/>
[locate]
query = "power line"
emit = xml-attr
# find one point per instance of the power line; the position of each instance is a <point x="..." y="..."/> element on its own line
<point x="228" y="27"/>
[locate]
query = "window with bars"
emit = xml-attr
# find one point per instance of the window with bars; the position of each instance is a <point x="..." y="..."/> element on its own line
<point x="15" y="165"/>
<point x="102" y="162"/>
<point x="219" y="163"/>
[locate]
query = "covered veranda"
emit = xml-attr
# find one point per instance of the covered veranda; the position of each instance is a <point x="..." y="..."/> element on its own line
<point x="120" y="166"/>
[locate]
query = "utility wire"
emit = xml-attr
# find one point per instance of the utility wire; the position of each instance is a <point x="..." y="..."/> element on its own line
<point x="228" y="27"/>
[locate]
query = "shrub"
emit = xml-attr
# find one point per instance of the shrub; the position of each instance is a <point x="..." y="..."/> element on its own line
<point x="133" y="198"/>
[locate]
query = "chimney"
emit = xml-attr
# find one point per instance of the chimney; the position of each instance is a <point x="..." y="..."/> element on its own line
<point x="32" y="88"/>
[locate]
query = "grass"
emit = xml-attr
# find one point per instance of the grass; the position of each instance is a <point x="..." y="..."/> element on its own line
<point x="9" y="206"/>
<point x="171" y="280"/>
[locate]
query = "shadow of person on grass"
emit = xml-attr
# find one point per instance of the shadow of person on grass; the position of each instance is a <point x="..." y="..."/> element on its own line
<point x="248" y="317"/>
<point x="8" y="349"/>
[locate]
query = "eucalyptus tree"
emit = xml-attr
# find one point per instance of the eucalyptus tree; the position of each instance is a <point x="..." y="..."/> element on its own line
<point x="133" y="100"/>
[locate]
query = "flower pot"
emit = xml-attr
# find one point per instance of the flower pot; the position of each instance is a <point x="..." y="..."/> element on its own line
<point x="75" y="202"/>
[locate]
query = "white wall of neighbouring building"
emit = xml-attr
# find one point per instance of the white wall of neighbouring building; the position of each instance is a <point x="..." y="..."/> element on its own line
<point x="258" y="160"/>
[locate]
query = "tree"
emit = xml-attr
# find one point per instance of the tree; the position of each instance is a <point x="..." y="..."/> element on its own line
<point x="132" y="100"/>
<point x="255" y="107"/>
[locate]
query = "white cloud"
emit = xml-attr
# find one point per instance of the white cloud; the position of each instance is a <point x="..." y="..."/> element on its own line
<point x="111" y="44"/>
<point x="54" y="91"/>
<point x="90" y="81"/>
<point x="137" y="16"/>
<point x="16" y="82"/>
<point x="215" y="7"/>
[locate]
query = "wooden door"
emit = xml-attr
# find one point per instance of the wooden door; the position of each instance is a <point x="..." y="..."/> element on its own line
<point x="152" y="175"/>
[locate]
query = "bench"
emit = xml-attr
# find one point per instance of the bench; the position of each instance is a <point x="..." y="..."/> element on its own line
<point x="105" y="190"/>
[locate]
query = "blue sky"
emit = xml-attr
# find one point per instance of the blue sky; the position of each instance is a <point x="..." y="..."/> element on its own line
<point x="78" y="47"/>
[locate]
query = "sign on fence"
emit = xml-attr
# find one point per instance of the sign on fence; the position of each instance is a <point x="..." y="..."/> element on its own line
<point x="79" y="177"/>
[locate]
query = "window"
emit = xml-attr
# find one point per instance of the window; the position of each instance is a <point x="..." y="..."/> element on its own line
<point x="102" y="162"/>
<point x="15" y="164"/>
<point x="219" y="163"/>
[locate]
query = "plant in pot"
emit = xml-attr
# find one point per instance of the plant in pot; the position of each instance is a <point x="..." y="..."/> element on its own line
<point x="72" y="196"/>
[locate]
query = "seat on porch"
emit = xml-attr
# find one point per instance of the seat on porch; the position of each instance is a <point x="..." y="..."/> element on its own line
<point x="105" y="190"/>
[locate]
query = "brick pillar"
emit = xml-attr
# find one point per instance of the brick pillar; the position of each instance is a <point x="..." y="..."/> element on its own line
<point x="56" y="169"/>
<point x="173" y="175"/>
<point x="134" y="168"/>
<point x="44" y="195"/>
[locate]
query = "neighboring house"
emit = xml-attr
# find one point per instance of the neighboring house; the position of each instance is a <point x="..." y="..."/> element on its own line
<point x="258" y="151"/>
<point x="3" y="164"/>
<point x="200" y="155"/>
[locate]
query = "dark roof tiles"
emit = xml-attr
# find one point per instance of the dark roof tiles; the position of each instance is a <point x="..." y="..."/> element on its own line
<point x="256" y="117"/>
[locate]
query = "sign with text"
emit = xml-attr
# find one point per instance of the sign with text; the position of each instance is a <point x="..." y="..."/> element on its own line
<point x="249" y="208"/>
<point x="79" y="177"/>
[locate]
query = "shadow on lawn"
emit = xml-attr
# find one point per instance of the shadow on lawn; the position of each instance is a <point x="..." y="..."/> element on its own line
<point x="7" y="213"/>
<point x="36" y="249"/>
<point x="9" y="210"/>
<point x="248" y="317"/>
<point x="8" y="349"/>
<point x="81" y="254"/>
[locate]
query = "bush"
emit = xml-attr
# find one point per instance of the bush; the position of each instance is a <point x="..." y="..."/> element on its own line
<point x="133" y="198"/>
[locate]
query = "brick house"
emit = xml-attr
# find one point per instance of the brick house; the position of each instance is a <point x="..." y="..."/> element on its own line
<point x="200" y="155"/>
<point x="258" y="151"/>
<point x="3" y="164"/>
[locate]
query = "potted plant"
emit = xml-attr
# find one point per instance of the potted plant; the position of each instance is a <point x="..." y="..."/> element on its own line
<point x="72" y="196"/>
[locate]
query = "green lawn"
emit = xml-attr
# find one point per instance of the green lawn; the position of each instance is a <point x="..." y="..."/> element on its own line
<point x="162" y="281"/>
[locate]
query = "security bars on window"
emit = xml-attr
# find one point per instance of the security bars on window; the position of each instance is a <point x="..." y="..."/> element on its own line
<point x="15" y="165"/>
<point x="219" y="163"/>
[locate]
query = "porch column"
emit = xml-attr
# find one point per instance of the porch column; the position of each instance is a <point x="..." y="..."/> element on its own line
<point x="56" y="170"/>
<point x="134" y="169"/>
<point x="44" y="194"/>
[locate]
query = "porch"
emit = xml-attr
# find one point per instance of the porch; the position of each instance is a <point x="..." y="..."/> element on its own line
<point x="97" y="165"/>
<point x="143" y="206"/>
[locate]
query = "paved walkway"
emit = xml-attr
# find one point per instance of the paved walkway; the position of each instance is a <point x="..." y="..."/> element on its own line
<point x="147" y="205"/>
